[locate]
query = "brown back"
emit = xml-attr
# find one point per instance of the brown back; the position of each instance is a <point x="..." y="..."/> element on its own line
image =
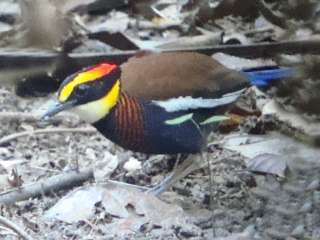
<point x="167" y="75"/>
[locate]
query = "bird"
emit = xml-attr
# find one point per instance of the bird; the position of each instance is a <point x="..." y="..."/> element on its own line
<point x="157" y="103"/>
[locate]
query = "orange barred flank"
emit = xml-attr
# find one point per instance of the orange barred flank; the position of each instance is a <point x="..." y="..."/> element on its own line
<point x="129" y="122"/>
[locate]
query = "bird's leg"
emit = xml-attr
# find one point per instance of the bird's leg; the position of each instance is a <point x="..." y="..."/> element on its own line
<point x="165" y="183"/>
<point x="211" y="199"/>
<point x="179" y="157"/>
<point x="189" y="165"/>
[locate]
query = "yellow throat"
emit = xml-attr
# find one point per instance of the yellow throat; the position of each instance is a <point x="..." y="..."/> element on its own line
<point x="94" y="111"/>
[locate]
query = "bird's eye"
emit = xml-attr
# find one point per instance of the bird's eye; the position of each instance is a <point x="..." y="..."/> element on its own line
<point x="82" y="88"/>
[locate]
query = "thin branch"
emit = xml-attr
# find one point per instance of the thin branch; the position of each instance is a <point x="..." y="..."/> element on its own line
<point x="124" y="184"/>
<point x="211" y="199"/>
<point x="31" y="117"/>
<point x="18" y="116"/>
<point x="15" y="136"/>
<point x="270" y="16"/>
<point x="256" y="50"/>
<point x="55" y="183"/>
<point x="23" y="60"/>
<point x="15" y="228"/>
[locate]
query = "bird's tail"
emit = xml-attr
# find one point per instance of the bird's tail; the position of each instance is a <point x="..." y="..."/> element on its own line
<point x="266" y="76"/>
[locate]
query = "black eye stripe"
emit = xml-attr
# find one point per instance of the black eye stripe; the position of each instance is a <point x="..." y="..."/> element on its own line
<point x="92" y="90"/>
<point x="83" y="87"/>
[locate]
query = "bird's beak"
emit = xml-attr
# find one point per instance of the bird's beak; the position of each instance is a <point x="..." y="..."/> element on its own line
<point x="57" y="107"/>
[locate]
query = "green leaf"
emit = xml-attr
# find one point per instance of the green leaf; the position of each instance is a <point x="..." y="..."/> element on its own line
<point x="215" y="119"/>
<point x="179" y="120"/>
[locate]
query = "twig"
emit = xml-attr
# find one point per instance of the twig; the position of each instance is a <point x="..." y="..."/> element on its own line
<point x="55" y="183"/>
<point x="252" y="32"/>
<point x="7" y="231"/>
<point x="14" y="136"/>
<point x="15" y="228"/>
<point x="45" y="169"/>
<point x="270" y="16"/>
<point x="17" y="61"/>
<point x="124" y="184"/>
<point x="18" y="116"/>
<point x="201" y="40"/>
<point x="256" y="50"/>
<point x="31" y="117"/>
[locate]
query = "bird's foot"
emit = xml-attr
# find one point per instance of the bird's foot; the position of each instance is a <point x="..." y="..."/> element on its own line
<point x="188" y="165"/>
<point x="162" y="186"/>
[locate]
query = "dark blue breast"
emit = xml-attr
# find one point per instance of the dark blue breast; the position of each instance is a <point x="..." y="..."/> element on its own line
<point x="154" y="135"/>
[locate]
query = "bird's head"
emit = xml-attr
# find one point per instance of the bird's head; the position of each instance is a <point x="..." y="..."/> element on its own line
<point x="91" y="93"/>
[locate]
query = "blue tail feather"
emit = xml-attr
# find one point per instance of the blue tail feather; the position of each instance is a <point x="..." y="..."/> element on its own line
<point x="263" y="77"/>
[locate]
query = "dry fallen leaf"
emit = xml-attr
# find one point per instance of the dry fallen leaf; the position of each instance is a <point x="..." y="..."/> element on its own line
<point x="77" y="205"/>
<point x="116" y="22"/>
<point x="14" y="179"/>
<point x="293" y="118"/>
<point x="130" y="207"/>
<point x="251" y="146"/>
<point x="132" y="165"/>
<point x="268" y="163"/>
<point x="247" y="234"/>
<point x="103" y="169"/>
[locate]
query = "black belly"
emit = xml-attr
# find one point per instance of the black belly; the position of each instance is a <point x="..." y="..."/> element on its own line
<point x="186" y="137"/>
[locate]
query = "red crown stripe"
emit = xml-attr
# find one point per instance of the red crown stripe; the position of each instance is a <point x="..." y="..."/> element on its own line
<point x="103" y="68"/>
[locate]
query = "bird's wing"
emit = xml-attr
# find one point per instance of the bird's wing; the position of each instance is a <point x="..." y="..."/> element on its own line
<point x="172" y="75"/>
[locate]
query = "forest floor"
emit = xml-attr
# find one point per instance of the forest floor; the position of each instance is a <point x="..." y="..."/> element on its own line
<point x="243" y="204"/>
<point x="254" y="184"/>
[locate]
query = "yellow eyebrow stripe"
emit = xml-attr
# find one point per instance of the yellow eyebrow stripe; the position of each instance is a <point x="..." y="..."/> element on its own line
<point x="83" y="77"/>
